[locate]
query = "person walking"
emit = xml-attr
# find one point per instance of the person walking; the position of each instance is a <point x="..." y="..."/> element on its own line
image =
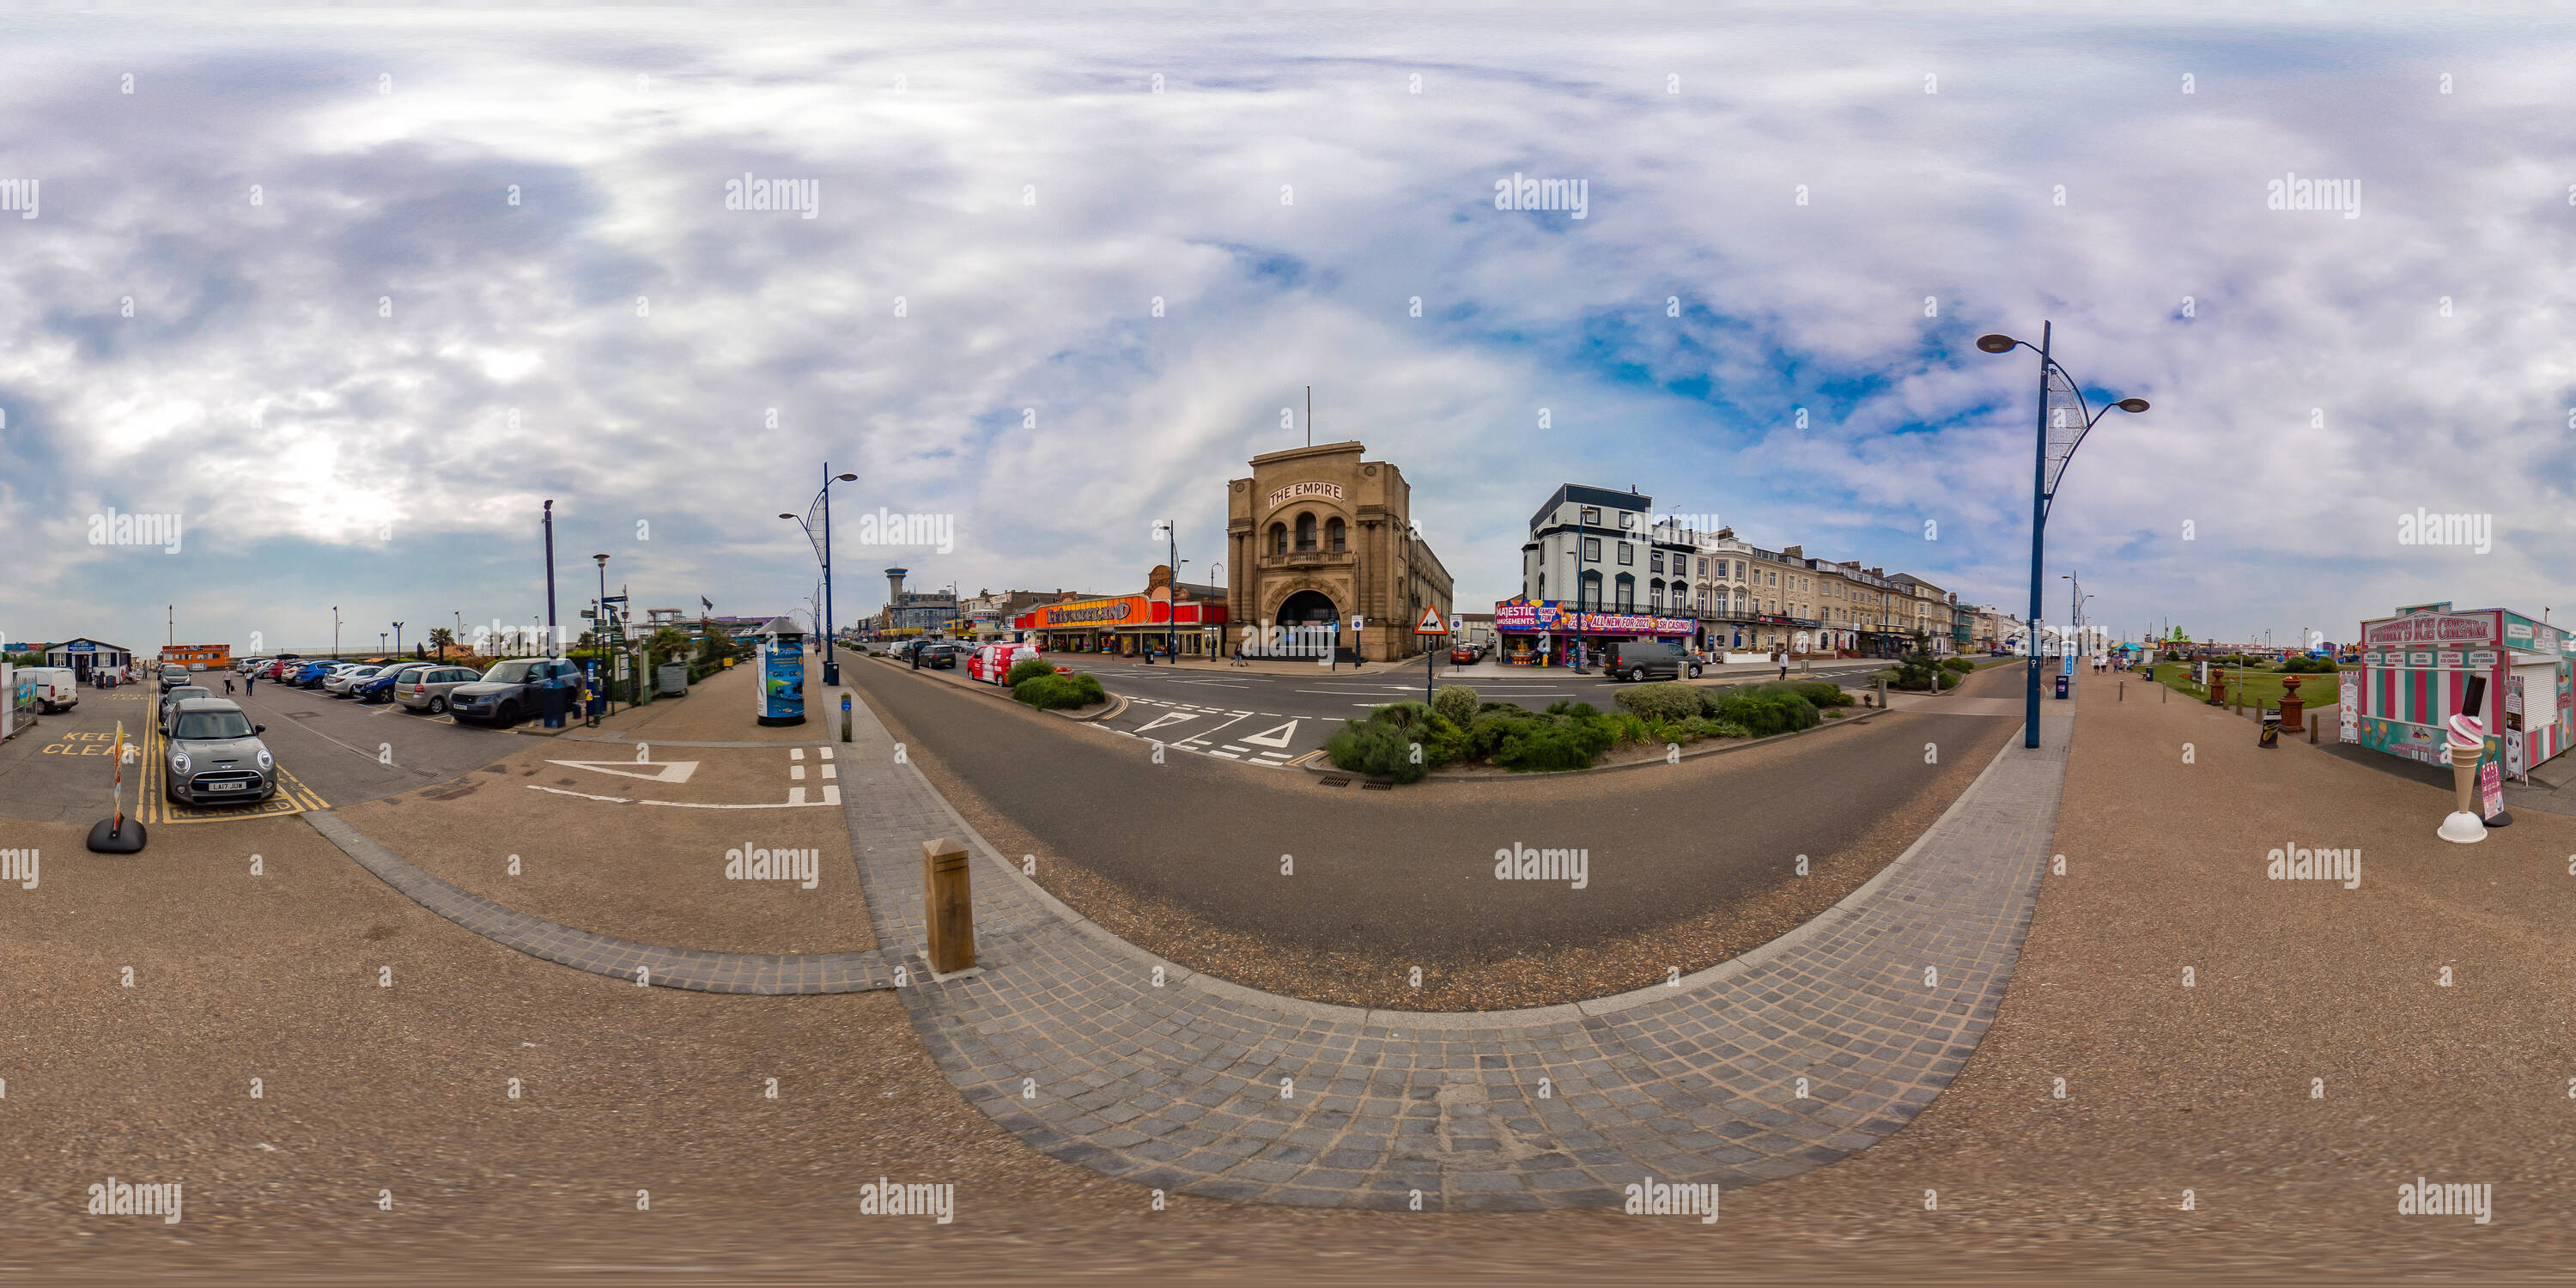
<point x="228" y="686"/>
<point x="250" y="683"/>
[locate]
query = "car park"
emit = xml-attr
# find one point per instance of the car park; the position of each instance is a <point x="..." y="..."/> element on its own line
<point x="380" y="686"/>
<point x="170" y="701"/>
<point x="512" y="690"/>
<point x="992" y="663"/>
<point x="1642" y="659"/>
<point x="427" y="690"/>
<point x="338" y="682"/>
<point x="213" y="755"/>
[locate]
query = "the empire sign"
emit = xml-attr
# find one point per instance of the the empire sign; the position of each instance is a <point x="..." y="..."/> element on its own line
<point x="1293" y="491"/>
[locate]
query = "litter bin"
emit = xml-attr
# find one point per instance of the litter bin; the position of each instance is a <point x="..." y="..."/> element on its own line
<point x="2061" y="685"/>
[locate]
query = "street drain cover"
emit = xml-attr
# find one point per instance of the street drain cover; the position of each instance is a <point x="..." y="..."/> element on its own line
<point x="1377" y="787"/>
<point x="1336" y="782"/>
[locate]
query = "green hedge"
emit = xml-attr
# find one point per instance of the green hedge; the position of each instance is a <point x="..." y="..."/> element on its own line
<point x="1025" y="669"/>
<point x="1059" y="692"/>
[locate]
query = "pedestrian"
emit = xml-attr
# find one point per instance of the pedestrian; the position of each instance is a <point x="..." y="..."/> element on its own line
<point x="1784" y="670"/>
<point x="250" y="683"/>
<point x="228" y="686"/>
<point x="916" y="657"/>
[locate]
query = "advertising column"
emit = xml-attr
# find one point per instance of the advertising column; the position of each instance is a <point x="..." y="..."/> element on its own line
<point x="781" y="682"/>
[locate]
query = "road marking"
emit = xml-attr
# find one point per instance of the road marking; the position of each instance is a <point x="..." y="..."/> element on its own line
<point x="1226" y="754"/>
<point x="676" y="771"/>
<point x="1278" y="737"/>
<point x="1160" y="721"/>
<point x="795" y="798"/>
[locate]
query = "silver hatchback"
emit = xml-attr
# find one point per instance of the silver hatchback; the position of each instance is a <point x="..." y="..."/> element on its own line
<point x="427" y="690"/>
<point x="213" y="755"/>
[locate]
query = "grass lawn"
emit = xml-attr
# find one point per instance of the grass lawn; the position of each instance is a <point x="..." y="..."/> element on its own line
<point x="2258" y="687"/>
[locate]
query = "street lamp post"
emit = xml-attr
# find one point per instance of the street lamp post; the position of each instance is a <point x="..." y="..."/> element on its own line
<point x="599" y="625"/>
<point x="335" y="631"/>
<point x="398" y="637"/>
<point x="2045" y="474"/>
<point x="1172" y="590"/>
<point x="823" y="551"/>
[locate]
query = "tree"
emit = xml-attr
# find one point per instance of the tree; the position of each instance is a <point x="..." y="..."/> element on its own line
<point x="1916" y="670"/>
<point x="668" y="642"/>
<point x="442" y="637"/>
<point x="714" y="644"/>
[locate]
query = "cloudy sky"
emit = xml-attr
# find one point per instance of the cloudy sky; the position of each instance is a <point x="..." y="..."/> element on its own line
<point x="352" y="293"/>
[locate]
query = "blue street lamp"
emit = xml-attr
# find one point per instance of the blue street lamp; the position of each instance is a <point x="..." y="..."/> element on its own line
<point x="823" y="550"/>
<point x="2064" y="419"/>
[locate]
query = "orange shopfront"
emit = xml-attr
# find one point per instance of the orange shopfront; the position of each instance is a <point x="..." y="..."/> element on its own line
<point x="1126" y="625"/>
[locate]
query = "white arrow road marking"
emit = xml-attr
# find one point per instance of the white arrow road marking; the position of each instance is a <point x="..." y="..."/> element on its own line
<point x="1161" y="720"/>
<point x="1274" y="738"/>
<point x="795" y="799"/>
<point x="677" y="771"/>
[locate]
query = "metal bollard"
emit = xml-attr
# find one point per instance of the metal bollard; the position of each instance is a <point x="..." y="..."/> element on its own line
<point x="2124" y="692"/>
<point x="2312" y="728"/>
<point x="947" y="906"/>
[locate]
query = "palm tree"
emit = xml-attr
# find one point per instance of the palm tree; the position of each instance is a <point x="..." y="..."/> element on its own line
<point x="442" y="637"/>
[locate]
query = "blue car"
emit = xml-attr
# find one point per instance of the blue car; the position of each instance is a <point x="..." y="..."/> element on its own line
<point x="380" y="686"/>
<point x="307" y="675"/>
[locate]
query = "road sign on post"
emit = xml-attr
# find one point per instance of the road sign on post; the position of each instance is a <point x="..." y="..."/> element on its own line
<point x="1430" y="625"/>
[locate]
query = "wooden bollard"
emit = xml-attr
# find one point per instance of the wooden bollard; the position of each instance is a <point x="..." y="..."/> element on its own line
<point x="947" y="906"/>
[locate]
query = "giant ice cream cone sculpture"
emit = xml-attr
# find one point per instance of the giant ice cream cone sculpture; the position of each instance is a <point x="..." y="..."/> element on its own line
<point x="2467" y="740"/>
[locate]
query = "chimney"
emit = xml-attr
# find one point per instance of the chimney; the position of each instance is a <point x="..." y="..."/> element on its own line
<point x="1794" y="552"/>
<point x="894" y="585"/>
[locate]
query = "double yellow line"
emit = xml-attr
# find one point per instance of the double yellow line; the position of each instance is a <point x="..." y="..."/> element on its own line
<point x="154" y="808"/>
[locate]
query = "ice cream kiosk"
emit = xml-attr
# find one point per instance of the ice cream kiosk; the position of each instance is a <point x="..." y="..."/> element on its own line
<point x="2416" y="668"/>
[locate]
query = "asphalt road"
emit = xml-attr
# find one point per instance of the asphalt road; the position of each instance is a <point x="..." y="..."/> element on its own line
<point x="1409" y="875"/>
<point x="1268" y="719"/>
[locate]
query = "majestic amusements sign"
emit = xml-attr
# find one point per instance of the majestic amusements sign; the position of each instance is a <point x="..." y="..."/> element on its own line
<point x="1293" y="491"/>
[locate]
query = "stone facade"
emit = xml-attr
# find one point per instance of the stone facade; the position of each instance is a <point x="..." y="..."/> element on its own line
<point x="1318" y="534"/>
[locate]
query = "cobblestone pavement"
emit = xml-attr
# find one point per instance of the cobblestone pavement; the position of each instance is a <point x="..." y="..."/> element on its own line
<point x="760" y="973"/>
<point x="1098" y="1053"/>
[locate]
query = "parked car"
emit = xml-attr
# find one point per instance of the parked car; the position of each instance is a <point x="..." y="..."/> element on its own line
<point x="174" y="676"/>
<point x="312" y="674"/>
<point x="991" y="663"/>
<point x="57" y="688"/>
<point x="380" y="686"/>
<point x="511" y="690"/>
<point x="427" y="689"/>
<point x="338" y="682"/>
<point x="942" y="655"/>
<point x="1642" y="659"/>
<point x="170" y="701"/>
<point x="214" y="755"/>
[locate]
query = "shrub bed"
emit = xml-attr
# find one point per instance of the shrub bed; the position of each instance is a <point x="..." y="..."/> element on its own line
<point x="1053" y="692"/>
<point x="1025" y="669"/>
<point x="1408" y="740"/>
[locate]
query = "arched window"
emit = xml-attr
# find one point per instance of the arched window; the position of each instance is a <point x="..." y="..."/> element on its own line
<point x="1333" y="534"/>
<point x="1626" y="589"/>
<point x="1305" y="533"/>
<point x="1278" y="538"/>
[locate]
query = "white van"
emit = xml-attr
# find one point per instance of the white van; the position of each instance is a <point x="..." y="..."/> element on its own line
<point x="57" y="689"/>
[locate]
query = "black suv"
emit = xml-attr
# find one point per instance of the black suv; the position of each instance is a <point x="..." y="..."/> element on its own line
<point x="942" y="655"/>
<point x="1648" y="659"/>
